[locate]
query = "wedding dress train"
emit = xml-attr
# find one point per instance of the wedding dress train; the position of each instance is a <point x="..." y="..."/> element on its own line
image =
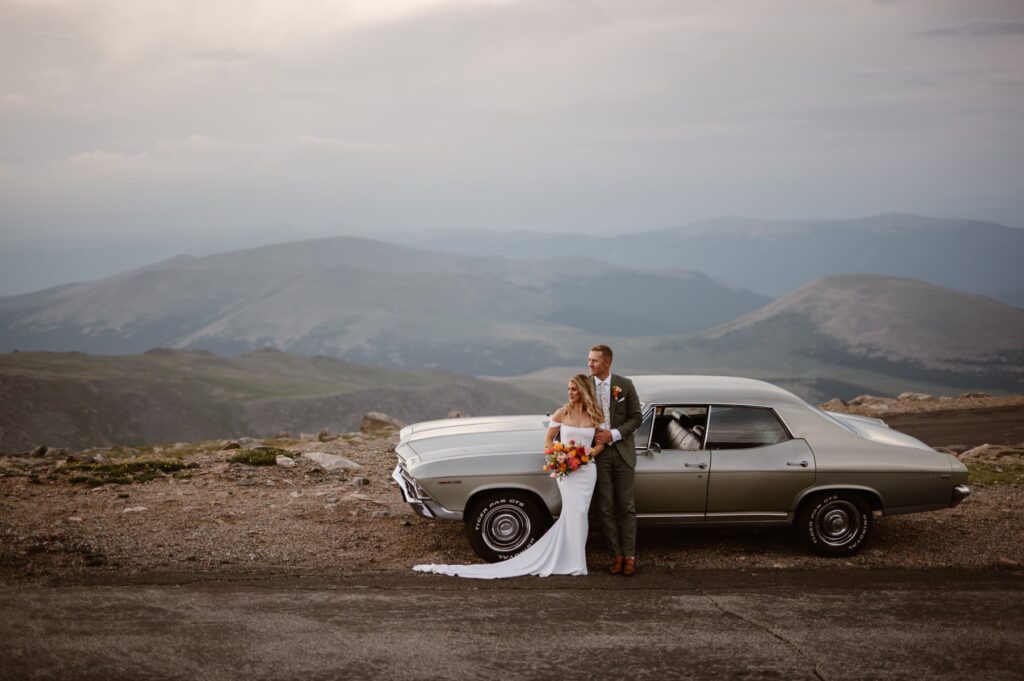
<point x="563" y="548"/>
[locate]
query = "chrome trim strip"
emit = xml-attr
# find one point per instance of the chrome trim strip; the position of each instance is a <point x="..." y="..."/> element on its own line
<point x="669" y="515"/>
<point x="752" y="514"/>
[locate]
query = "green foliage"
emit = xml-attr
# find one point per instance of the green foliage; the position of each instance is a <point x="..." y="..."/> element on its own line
<point x="260" y="456"/>
<point x="994" y="474"/>
<point x="121" y="472"/>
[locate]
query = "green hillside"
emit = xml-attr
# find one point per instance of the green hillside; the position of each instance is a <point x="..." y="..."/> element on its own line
<point x="78" y="400"/>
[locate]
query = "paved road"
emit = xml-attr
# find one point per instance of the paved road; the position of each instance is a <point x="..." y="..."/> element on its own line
<point x="782" y="624"/>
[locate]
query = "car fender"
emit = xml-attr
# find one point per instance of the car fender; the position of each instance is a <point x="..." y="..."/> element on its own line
<point x="873" y="494"/>
<point x="552" y="502"/>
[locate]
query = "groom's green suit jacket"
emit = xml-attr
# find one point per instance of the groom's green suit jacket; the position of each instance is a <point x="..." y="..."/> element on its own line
<point x="624" y="412"/>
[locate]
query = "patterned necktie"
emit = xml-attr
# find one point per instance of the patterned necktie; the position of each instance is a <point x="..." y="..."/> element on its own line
<point x="602" y="388"/>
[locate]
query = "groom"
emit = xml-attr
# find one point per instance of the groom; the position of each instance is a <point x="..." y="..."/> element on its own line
<point x="616" y="464"/>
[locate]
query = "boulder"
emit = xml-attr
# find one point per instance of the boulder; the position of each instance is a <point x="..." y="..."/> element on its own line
<point x="456" y="414"/>
<point x="331" y="462"/>
<point x="914" y="396"/>
<point x="360" y="482"/>
<point x="232" y="445"/>
<point x="286" y="461"/>
<point x="325" y="435"/>
<point x="376" y="421"/>
<point x="835" y="404"/>
<point x="968" y="396"/>
<point x="40" y="451"/>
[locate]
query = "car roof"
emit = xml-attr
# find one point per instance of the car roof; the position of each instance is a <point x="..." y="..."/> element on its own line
<point x="712" y="389"/>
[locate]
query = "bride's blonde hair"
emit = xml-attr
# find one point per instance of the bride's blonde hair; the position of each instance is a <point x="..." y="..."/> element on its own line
<point x="590" y="406"/>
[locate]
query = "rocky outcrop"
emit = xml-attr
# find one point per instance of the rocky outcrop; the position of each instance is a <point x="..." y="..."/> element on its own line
<point x="331" y="462"/>
<point x="375" y="421"/>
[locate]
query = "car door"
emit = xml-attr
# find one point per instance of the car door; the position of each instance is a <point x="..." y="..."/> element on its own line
<point x="670" y="482"/>
<point x="757" y="468"/>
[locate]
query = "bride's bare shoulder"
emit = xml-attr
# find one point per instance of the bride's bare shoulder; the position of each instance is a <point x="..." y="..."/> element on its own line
<point x="559" y="414"/>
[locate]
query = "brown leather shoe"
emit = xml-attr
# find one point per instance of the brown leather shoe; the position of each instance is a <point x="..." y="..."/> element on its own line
<point x="616" y="567"/>
<point x="629" y="569"/>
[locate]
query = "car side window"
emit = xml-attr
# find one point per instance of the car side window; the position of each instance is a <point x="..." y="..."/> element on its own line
<point x="642" y="435"/>
<point x="680" y="427"/>
<point x="744" y="427"/>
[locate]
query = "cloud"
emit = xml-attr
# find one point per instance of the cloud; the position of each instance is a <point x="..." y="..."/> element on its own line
<point x="196" y="156"/>
<point x="559" y="114"/>
<point x="977" y="27"/>
<point x="221" y="55"/>
<point x="59" y="37"/>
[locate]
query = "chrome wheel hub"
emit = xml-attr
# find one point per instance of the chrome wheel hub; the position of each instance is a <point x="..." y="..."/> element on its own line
<point x="838" y="523"/>
<point x="506" y="528"/>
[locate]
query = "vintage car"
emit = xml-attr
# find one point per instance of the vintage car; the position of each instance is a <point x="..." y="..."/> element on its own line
<point x="711" y="450"/>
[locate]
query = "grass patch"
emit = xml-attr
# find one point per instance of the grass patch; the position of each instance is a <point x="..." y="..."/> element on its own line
<point x="123" y="472"/>
<point x="279" y="441"/>
<point x="994" y="474"/>
<point x="260" y="456"/>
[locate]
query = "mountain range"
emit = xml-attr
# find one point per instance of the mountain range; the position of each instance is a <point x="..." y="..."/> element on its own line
<point x="773" y="257"/>
<point x="370" y="302"/>
<point x="871" y="327"/>
<point x="315" y="333"/>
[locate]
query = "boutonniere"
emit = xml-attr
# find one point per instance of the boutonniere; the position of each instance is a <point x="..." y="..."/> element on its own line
<point x="616" y="391"/>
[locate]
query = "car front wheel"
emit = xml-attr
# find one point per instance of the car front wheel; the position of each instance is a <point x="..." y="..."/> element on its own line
<point x="502" y="524"/>
<point x="835" y="523"/>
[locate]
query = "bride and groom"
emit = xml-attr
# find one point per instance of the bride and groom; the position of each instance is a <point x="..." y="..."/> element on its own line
<point x="603" y="410"/>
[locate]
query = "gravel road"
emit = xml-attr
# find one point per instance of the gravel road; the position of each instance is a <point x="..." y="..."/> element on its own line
<point x="841" y="625"/>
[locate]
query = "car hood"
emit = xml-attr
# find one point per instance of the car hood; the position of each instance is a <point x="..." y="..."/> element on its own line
<point x="452" y="438"/>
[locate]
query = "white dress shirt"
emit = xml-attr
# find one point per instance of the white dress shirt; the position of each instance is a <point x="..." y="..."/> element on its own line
<point x="604" y="398"/>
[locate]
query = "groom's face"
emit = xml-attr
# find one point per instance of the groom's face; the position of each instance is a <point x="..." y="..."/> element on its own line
<point x="598" y="364"/>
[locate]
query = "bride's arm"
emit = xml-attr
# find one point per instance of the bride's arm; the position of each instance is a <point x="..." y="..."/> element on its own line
<point x="549" y="436"/>
<point x="594" y="451"/>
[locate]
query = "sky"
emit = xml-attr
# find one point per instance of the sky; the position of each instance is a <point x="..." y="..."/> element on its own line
<point x="186" y="120"/>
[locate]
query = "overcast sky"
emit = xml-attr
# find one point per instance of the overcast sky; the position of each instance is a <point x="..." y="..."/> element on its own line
<point x="282" y="117"/>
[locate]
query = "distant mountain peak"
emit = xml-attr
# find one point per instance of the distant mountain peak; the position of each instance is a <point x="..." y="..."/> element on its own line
<point x="898" y="318"/>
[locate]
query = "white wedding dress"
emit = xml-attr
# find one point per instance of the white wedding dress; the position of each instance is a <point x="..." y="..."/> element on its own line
<point x="563" y="548"/>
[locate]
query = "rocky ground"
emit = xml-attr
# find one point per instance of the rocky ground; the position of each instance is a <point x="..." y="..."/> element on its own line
<point x="205" y="509"/>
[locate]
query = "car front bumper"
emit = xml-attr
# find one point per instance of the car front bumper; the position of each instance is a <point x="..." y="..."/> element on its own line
<point x="960" y="492"/>
<point x="420" y="501"/>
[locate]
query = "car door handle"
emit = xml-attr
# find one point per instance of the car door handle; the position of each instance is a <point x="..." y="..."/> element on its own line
<point x="696" y="465"/>
<point x="802" y="464"/>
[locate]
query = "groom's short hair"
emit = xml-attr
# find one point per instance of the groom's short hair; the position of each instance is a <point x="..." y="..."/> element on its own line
<point x="604" y="350"/>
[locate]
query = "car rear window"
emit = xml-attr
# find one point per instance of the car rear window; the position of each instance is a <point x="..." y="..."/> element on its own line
<point x="744" y="427"/>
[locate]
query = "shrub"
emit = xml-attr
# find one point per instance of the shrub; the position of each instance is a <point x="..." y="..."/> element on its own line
<point x="260" y="456"/>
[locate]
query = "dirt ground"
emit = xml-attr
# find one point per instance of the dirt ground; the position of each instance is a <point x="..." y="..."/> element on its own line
<point x="224" y="518"/>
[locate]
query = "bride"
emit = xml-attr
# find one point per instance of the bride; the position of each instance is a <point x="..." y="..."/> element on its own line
<point x="563" y="548"/>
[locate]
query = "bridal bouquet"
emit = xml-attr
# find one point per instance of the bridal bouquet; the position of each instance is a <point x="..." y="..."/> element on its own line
<point x="565" y="457"/>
